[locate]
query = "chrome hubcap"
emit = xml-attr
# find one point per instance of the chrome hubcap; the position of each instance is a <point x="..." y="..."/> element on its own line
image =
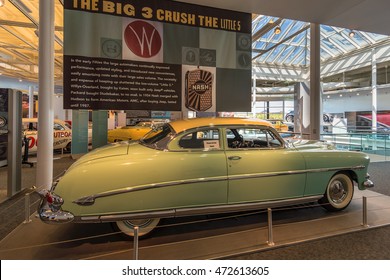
<point x="337" y="192"/>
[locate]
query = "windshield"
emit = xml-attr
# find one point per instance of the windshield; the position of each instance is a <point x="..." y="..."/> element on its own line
<point x="158" y="137"/>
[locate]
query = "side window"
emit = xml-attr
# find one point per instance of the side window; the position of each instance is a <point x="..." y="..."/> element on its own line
<point x="252" y="138"/>
<point x="58" y="127"/>
<point x="207" y="139"/>
<point x="30" y="126"/>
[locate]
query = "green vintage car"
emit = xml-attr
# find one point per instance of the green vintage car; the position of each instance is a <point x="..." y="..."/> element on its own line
<point x="201" y="166"/>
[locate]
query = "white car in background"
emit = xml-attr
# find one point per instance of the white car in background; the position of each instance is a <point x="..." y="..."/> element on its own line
<point x="62" y="133"/>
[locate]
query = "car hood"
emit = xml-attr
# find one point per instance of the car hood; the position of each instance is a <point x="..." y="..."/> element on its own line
<point x="110" y="150"/>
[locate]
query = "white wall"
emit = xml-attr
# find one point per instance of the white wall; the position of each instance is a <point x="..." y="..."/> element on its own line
<point x="351" y="103"/>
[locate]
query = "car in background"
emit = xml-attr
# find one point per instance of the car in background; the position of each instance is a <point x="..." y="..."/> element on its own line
<point x="201" y="166"/>
<point x="327" y="118"/>
<point x="282" y="126"/>
<point x="62" y="134"/>
<point x="289" y="116"/>
<point x="130" y="132"/>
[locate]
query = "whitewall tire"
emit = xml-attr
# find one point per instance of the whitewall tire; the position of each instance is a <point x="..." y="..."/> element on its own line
<point x="145" y="226"/>
<point x="339" y="193"/>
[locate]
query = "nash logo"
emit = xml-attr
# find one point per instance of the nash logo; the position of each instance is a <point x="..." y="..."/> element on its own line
<point x="199" y="90"/>
<point x="142" y="39"/>
<point x="200" y="87"/>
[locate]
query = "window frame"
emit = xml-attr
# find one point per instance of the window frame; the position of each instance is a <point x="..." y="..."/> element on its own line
<point x="269" y="130"/>
<point x="175" y="146"/>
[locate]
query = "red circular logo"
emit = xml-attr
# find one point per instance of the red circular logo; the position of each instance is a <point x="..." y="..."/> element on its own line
<point x="142" y="39"/>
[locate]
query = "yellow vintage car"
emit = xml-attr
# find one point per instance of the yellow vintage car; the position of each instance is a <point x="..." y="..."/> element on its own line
<point x="201" y="166"/>
<point x="130" y="132"/>
<point x="281" y="126"/>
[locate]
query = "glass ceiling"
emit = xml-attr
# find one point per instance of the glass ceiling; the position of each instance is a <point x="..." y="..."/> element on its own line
<point x="291" y="47"/>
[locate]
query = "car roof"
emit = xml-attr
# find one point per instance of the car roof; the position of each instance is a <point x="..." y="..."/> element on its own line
<point x="185" y="124"/>
<point x="36" y="120"/>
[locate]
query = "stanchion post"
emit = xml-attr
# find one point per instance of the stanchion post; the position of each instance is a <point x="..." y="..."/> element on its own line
<point x="27" y="208"/>
<point x="365" y="221"/>
<point x="270" y="241"/>
<point x="135" y="249"/>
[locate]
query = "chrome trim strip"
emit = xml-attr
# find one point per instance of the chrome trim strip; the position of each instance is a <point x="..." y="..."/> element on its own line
<point x="295" y="172"/>
<point x="244" y="206"/>
<point x="89" y="200"/>
<point x="144" y="215"/>
<point x="215" y="209"/>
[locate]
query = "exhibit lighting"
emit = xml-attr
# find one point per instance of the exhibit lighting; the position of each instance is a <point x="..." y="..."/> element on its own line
<point x="352" y="34"/>
<point x="2" y="2"/>
<point x="277" y="30"/>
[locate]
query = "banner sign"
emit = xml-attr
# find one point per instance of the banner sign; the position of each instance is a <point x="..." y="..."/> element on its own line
<point x="155" y="55"/>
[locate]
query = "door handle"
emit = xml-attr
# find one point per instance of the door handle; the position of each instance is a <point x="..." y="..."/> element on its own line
<point x="234" y="157"/>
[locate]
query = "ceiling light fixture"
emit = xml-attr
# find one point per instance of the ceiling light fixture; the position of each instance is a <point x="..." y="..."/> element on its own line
<point x="351" y="34"/>
<point x="277" y="30"/>
<point x="2" y="3"/>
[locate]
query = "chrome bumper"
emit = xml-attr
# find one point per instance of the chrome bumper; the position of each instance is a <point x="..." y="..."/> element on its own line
<point x="368" y="184"/>
<point x="59" y="217"/>
<point x="50" y="211"/>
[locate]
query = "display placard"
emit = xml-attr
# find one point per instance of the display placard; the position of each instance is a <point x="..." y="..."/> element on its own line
<point x="136" y="55"/>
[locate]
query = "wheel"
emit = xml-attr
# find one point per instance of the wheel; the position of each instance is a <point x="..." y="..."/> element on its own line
<point x="145" y="226"/>
<point x="338" y="194"/>
<point x="325" y="118"/>
<point x="68" y="147"/>
<point x="290" y="118"/>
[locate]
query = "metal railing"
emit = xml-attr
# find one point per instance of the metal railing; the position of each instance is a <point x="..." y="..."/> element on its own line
<point x="375" y="144"/>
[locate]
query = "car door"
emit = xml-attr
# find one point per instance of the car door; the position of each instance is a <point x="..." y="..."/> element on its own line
<point x="260" y="168"/>
<point x="198" y="161"/>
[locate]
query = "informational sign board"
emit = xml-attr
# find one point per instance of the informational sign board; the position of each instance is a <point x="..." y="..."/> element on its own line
<point x="155" y="55"/>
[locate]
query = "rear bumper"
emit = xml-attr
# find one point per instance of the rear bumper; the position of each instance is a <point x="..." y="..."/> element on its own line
<point x="50" y="211"/>
<point x="59" y="217"/>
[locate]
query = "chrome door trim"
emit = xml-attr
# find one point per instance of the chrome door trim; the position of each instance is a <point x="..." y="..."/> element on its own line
<point x="193" y="211"/>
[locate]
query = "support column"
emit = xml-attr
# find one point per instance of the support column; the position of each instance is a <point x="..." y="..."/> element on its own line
<point x="99" y="128"/>
<point x="30" y="102"/>
<point x="14" y="183"/>
<point x="254" y="91"/>
<point x="315" y="84"/>
<point x="374" y="91"/>
<point x="46" y="90"/>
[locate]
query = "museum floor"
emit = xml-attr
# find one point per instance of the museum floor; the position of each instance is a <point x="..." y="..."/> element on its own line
<point x="362" y="243"/>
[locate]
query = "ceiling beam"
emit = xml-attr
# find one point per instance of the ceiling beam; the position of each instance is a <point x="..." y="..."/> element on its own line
<point x="261" y="52"/>
<point x="25" y="24"/>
